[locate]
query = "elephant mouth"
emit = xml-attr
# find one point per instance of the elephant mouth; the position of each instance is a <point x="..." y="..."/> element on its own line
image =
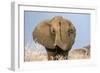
<point x="57" y="53"/>
<point x="58" y="50"/>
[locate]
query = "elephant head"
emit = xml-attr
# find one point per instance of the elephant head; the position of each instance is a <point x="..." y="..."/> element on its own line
<point x="57" y="32"/>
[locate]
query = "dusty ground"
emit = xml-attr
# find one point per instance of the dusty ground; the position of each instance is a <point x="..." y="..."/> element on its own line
<point x="32" y="55"/>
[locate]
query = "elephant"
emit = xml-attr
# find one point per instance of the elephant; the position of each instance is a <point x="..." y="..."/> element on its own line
<point x="57" y="35"/>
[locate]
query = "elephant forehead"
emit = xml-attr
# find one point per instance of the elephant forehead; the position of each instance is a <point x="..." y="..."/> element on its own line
<point x="57" y="18"/>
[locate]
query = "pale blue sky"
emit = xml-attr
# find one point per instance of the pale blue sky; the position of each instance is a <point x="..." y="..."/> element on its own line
<point x="80" y="21"/>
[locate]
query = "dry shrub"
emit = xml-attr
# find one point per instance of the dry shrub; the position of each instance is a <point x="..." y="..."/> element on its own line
<point x="82" y="53"/>
<point x="30" y="55"/>
<point x="35" y="52"/>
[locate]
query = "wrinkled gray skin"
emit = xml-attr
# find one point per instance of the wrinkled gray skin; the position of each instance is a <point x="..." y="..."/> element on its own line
<point x="58" y="32"/>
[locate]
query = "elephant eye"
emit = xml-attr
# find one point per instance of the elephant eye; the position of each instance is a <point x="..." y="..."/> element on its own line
<point x="52" y="31"/>
<point x="59" y="23"/>
<point x="70" y="31"/>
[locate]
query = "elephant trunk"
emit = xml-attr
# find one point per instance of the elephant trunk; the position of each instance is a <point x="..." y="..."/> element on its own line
<point x="59" y="42"/>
